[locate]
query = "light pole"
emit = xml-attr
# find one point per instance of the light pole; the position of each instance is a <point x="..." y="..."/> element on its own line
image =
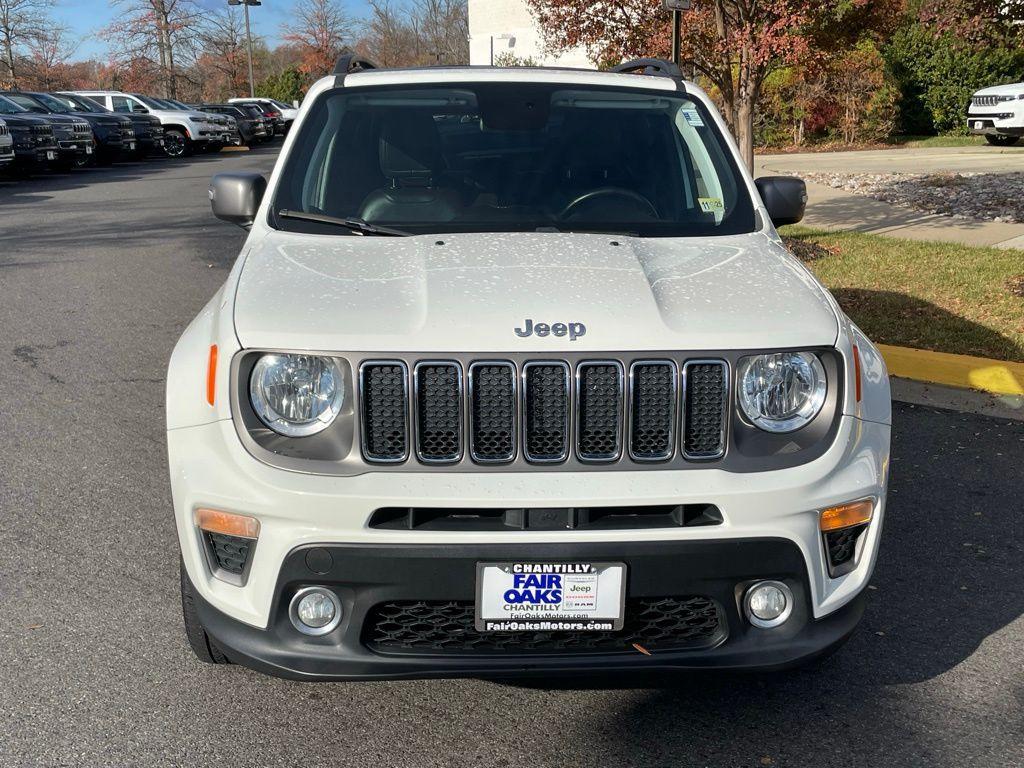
<point x="677" y="7"/>
<point x="248" y="39"/>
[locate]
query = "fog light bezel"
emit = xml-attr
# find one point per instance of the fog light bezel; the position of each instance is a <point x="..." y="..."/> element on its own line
<point x="293" y="612"/>
<point x="779" y="620"/>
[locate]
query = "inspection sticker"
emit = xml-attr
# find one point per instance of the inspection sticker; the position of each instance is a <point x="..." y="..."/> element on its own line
<point x="692" y="116"/>
<point x="711" y="204"/>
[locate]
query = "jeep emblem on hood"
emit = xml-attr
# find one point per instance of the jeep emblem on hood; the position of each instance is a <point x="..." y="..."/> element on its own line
<point x="572" y="330"/>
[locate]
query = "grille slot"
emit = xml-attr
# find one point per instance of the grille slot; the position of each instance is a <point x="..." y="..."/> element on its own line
<point x="447" y="627"/>
<point x="705" y="399"/>
<point x="599" y="410"/>
<point x="841" y="547"/>
<point x="438" y="412"/>
<point x="385" y="394"/>
<point x="229" y="553"/>
<point x="546" y="411"/>
<point x="652" y="413"/>
<point x="493" y="435"/>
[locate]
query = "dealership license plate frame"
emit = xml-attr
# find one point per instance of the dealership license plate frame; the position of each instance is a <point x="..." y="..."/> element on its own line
<point x="586" y="623"/>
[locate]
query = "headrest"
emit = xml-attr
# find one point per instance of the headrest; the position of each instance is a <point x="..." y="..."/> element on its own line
<point x="410" y="146"/>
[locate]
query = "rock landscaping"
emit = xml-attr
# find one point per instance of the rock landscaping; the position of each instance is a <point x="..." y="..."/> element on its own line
<point x="987" y="196"/>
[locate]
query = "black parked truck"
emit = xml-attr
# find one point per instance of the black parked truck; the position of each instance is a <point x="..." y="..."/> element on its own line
<point x="75" y="143"/>
<point x="149" y="131"/>
<point x="250" y="127"/>
<point x="114" y="134"/>
<point x="35" y="146"/>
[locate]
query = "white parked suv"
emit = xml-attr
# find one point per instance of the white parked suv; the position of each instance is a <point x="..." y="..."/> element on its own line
<point x="185" y="130"/>
<point x="514" y="376"/>
<point x="998" y="114"/>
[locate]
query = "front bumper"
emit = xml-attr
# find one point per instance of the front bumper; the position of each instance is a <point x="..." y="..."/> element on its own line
<point x="995" y="122"/>
<point x="367" y="576"/>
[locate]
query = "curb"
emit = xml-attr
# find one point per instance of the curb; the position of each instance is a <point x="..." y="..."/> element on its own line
<point x="234" y="149"/>
<point x="996" y="377"/>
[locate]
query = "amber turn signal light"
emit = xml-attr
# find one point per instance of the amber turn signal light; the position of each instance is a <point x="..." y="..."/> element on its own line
<point x="211" y="375"/>
<point x="846" y="515"/>
<point x="227" y="523"/>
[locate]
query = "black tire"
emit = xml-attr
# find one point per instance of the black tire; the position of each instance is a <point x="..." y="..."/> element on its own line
<point x="202" y="644"/>
<point x="999" y="140"/>
<point x="177" y="144"/>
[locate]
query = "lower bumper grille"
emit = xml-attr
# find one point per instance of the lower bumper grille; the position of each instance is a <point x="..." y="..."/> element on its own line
<point x="229" y="553"/>
<point x="447" y="627"/>
<point x="841" y="547"/>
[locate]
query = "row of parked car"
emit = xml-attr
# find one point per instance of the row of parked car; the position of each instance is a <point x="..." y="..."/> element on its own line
<point x="68" y="129"/>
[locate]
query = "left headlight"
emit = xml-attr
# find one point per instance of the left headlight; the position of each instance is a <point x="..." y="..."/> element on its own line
<point x="781" y="392"/>
<point x="296" y="395"/>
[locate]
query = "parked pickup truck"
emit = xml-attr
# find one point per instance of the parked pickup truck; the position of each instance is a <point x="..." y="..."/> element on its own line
<point x="514" y="376"/>
<point x="997" y="113"/>
<point x="147" y="130"/>
<point x="35" y="146"/>
<point x="75" y="142"/>
<point x="184" y="130"/>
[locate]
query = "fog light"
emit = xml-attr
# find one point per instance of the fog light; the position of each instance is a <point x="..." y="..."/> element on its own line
<point x="768" y="604"/>
<point x="315" y="611"/>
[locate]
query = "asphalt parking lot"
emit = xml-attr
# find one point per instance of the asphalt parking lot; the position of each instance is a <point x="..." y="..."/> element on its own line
<point x="101" y="270"/>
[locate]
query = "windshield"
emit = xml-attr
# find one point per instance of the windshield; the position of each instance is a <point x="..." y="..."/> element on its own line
<point x="486" y="157"/>
<point x="82" y="103"/>
<point x="8" y="107"/>
<point x="54" y="105"/>
<point x="279" y="105"/>
<point x="27" y="102"/>
<point x="151" y="102"/>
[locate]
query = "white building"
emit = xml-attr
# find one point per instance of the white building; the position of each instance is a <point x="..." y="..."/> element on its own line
<point x="500" y="28"/>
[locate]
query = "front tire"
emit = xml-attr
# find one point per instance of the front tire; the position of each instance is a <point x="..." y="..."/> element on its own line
<point x="202" y="644"/>
<point x="999" y="140"/>
<point x="177" y="144"/>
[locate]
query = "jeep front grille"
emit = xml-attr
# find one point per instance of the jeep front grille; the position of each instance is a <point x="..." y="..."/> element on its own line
<point x="501" y="412"/>
<point x="984" y="101"/>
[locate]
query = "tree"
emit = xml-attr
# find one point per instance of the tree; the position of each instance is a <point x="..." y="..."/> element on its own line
<point x="734" y="44"/>
<point x="49" y="52"/>
<point x="156" y="38"/>
<point x="223" y="68"/>
<point x="415" y="33"/>
<point x="286" y="87"/>
<point x="21" y="22"/>
<point x="320" y="31"/>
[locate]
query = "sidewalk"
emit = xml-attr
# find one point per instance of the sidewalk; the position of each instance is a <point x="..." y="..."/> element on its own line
<point x="829" y="208"/>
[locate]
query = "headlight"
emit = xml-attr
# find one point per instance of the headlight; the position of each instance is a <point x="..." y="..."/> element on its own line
<point x="296" y="395"/>
<point x="781" y="392"/>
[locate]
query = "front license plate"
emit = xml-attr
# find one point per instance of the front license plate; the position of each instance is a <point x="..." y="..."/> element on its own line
<point x="131" y="146"/>
<point x="550" y="597"/>
<point x="979" y="124"/>
<point x="51" y="155"/>
<point x="88" y="150"/>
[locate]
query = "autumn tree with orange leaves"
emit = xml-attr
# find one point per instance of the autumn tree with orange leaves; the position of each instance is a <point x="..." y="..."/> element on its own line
<point x="734" y="44"/>
<point x="154" y="40"/>
<point x="320" y="31"/>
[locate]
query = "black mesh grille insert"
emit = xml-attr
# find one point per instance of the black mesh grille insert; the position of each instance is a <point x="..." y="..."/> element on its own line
<point x="447" y="627"/>
<point x="654" y="411"/>
<point x="547" y="412"/>
<point x="438" y="409"/>
<point x="493" y="434"/>
<point x="705" y="410"/>
<point x="384" y="412"/>
<point x="842" y="545"/>
<point x="600" y="411"/>
<point x="230" y="553"/>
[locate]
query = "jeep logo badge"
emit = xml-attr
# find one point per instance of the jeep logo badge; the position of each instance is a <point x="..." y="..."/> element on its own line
<point x="572" y="330"/>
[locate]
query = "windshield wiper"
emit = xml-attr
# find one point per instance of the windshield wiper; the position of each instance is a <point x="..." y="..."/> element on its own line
<point x="356" y="225"/>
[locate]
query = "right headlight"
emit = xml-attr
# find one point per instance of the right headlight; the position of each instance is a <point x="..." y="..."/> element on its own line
<point x="781" y="392"/>
<point x="296" y="395"/>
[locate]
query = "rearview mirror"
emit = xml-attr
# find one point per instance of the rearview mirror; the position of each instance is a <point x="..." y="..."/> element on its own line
<point x="784" y="197"/>
<point x="236" y="196"/>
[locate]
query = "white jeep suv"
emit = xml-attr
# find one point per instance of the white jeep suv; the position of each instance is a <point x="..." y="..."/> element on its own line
<point x="998" y="114"/>
<point x="185" y="130"/>
<point x="513" y="375"/>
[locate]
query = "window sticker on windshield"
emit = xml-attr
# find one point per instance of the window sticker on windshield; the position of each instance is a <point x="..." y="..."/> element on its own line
<point x="693" y="117"/>
<point x="711" y="204"/>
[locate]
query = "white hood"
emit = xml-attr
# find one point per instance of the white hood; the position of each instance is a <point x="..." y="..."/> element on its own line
<point x="1010" y="89"/>
<point x="469" y="294"/>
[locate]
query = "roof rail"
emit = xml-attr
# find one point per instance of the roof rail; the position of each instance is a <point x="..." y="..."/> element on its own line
<point x="352" y="62"/>
<point x="649" y="67"/>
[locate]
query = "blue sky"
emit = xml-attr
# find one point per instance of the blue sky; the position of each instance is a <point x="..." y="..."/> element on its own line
<point x="87" y="17"/>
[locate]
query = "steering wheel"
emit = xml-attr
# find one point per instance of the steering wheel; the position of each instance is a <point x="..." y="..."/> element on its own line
<point x="594" y="194"/>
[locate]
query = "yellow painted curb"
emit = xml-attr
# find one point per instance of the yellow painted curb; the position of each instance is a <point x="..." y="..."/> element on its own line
<point x="234" y="149"/>
<point x="995" y="376"/>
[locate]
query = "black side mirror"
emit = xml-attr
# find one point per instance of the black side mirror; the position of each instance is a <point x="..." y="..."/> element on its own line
<point x="784" y="197"/>
<point x="236" y="196"/>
